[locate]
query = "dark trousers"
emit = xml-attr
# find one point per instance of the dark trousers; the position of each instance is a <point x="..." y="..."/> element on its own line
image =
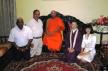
<point x="19" y="55"/>
<point x="71" y="57"/>
<point x="6" y="59"/>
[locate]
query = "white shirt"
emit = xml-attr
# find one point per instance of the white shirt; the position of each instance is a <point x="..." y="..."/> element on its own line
<point x="36" y="27"/>
<point x="20" y="37"/>
<point x="73" y="30"/>
<point x="89" y="43"/>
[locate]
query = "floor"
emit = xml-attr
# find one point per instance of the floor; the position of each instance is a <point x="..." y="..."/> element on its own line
<point x="17" y="66"/>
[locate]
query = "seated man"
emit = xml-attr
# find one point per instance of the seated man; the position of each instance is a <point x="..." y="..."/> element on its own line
<point x="73" y="41"/>
<point x="53" y="36"/>
<point x="21" y="38"/>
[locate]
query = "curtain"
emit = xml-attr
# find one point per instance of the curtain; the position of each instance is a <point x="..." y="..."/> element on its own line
<point x="7" y="16"/>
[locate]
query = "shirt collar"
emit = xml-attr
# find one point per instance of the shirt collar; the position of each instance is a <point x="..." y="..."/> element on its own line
<point x="73" y="30"/>
<point x="35" y="20"/>
<point x="19" y="29"/>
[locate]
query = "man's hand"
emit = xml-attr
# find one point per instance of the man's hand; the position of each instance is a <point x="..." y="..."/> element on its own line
<point x="49" y="33"/>
<point x="57" y="30"/>
<point x="32" y="45"/>
<point x="29" y="43"/>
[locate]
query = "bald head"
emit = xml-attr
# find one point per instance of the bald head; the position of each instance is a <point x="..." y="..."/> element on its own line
<point x="19" y="19"/>
<point x="53" y="13"/>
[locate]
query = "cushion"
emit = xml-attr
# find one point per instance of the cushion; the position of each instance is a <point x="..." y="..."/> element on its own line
<point x="4" y="48"/>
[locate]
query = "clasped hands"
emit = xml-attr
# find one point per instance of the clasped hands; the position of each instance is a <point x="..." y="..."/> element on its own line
<point x="53" y="32"/>
<point x="71" y="50"/>
<point x="49" y="33"/>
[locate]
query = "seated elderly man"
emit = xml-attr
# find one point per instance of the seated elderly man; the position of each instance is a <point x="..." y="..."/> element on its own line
<point x="21" y="38"/>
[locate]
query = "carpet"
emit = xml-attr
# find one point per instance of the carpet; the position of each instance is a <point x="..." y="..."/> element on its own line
<point x="45" y="57"/>
<point x="53" y="65"/>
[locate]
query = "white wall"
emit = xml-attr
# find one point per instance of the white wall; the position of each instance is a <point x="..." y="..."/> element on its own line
<point x="85" y="10"/>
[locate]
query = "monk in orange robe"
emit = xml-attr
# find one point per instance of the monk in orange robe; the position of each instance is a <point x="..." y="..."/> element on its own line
<point x="53" y="35"/>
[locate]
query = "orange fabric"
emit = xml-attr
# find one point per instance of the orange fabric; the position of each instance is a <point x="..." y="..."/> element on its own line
<point x="54" y="41"/>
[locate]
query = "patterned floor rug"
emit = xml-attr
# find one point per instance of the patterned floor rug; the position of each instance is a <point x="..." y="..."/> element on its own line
<point x="53" y="65"/>
<point x="46" y="58"/>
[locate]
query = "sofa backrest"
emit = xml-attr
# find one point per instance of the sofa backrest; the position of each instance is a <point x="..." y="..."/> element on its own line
<point x="65" y="18"/>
